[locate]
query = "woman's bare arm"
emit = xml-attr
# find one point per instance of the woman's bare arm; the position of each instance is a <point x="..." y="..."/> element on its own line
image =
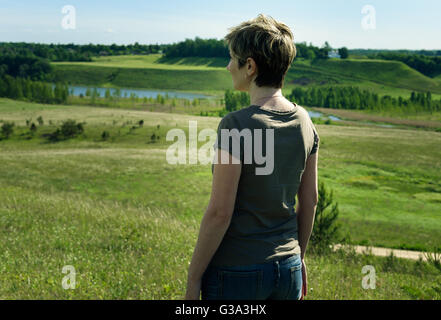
<point x="307" y="202"/>
<point x="215" y="222"/>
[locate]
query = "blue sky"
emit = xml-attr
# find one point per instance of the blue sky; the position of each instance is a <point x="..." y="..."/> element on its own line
<point x="400" y="24"/>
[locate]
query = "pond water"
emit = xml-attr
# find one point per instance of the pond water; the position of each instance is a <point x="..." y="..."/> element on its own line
<point x="143" y="93"/>
<point x="316" y="114"/>
<point x="140" y="93"/>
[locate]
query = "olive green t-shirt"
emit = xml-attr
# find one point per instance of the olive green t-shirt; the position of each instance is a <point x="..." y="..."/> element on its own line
<point x="264" y="223"/>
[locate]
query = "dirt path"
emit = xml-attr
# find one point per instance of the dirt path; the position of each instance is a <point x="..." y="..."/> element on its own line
<point x="384" y="252"/>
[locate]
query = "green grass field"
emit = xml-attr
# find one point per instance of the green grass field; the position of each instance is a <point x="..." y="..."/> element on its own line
<point x="209" y="75"/>
<point x="154" y="61"/>
<point x="128" y="221"/>
<point x="391" y="73"/>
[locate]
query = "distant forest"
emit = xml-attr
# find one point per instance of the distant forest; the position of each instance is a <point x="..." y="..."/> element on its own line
<point x="354" y="98"/>
<point x="218" y="48"/>
<point x="36" y="91"/>
<point x="74" y="52"/>
<point x="197" y="47"/>
<point x="25" y="67"/>
<point x="368" y="52"/>
<point x="188" y="48"/>
<point x="349" y="98"/>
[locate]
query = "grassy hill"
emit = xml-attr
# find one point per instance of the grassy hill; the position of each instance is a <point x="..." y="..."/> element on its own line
<point x="400" y="179"/>
<point x="154" y="61"/>
<point x="178" y="79"/>
<point x="128" y="221"/>
<point x="210" y="74"/>
<point x="392" y="73"/>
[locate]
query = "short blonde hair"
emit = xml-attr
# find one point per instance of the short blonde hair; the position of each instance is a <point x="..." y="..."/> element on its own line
<point x="269" y="42"/>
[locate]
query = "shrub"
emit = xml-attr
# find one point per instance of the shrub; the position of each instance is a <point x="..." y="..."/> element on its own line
<point x="222" y="112"/>
<point x="55" y="136"/>
<point x="7" y="129"/>
<point x="154" y="138"/>
<point x="69" y="129"/>
<point x="105" y="135"/>
<point x="40" y="120"/>
<point x="33" y="128"/>
<point x="326" y="230"/>
<point x="434" y="258"/>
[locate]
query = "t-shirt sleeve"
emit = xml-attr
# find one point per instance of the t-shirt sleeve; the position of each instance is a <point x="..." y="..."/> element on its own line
<point x="229" y="140"/>
<point x="315" y="146"/>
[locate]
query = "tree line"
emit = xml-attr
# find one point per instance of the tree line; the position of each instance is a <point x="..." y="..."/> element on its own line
<point x="310" y="52"/>
<point x="218" y="48"/>
<point x="75" y="52"/>
<point x="26" y="78"/>
<point x="188" y="48"/>
<point x="35" y="91"/>
<point x="368" y="52"/>
<point x="351" y="98"/>
<point x="197" y="48"/>
<point x="235" y="100"/>
<point x="354" y="98"/>
<point x="34" y="68"/>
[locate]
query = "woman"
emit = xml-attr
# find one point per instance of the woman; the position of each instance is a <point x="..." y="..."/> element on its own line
<point x="252" y="241"/>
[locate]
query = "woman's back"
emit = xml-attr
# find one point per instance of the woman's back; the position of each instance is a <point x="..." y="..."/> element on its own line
<point x="264" y="223"/>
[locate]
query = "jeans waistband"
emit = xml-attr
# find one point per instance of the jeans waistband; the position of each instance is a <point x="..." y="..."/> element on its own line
<point x="289" y="259"/>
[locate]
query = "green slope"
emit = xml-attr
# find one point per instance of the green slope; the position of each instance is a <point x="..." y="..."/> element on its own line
<point x="208" y="74"/>
<point x="193" y="80"/>
<point x="392" y="73"/>
<point x="155" y="61"/>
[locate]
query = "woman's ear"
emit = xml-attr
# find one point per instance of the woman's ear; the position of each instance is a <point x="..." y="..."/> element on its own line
<point x="251" y="66"/>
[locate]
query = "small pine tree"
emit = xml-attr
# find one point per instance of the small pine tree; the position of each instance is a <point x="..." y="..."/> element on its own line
<point x="33" y="128"/>
<point x="326" y="230"/>
<point x="7" y="129"/>
<point x="105" y="135"/>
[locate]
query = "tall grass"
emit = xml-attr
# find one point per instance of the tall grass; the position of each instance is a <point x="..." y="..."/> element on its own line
<point x="127" y="220"/>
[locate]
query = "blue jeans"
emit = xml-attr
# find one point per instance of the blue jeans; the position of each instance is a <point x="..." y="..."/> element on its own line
<point x="277" y="280"/>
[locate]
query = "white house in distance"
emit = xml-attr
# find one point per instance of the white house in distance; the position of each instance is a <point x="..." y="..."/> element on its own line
<point x="334" y="54"/>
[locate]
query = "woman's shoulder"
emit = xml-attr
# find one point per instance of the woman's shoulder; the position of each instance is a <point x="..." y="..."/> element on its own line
<point x="302" y="110"/>
<point x="254" y="114"/>
<point x="238" y="115"/>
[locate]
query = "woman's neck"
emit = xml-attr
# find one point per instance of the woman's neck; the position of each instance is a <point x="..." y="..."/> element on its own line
<point x="261" y="95"/>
